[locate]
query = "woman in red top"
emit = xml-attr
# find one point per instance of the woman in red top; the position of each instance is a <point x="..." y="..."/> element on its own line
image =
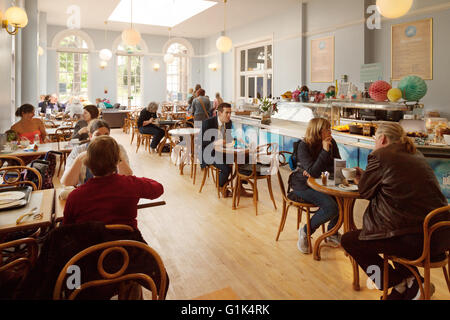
<point x="28" y="126"/>
<point x="108" y="197"/>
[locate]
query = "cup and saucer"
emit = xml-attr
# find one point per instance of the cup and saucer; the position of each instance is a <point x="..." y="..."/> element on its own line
<point x="350" y="175"/>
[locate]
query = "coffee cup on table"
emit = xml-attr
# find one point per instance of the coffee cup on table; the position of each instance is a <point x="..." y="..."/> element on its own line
<point x="349" y="173"/>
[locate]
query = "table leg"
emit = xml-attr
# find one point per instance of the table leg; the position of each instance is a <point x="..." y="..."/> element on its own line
<point x="235" y="187"/>
<point x="349" y="225"/>
<point x="192" y="155"/>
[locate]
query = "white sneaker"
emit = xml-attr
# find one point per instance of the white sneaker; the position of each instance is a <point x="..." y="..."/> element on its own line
<point x="335" y="238"/>
<point x="153" y="150"/>
<point x="302" y="243"/>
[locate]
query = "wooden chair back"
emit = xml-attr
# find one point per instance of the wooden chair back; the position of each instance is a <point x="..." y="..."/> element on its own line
<point x="12" y="176"/>
<point x="282" y="162"/>
<point x="118" y="278"/>
<point x="64" y="133"/>
<point x="16" y="264"/>
<point x="50" y="124"/>
<point x="10" y="161"/>
<point x="184" y="124"/>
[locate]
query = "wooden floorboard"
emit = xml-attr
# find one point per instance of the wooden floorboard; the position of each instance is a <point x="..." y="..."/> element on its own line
<point x="206" y="246"/>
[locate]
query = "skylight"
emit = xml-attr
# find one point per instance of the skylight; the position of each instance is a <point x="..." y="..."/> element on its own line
<point x="166" y="13"/>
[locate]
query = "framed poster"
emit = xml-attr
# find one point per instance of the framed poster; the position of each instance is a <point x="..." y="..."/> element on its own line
<point x="322" y="60"/>
<point x="412" y="49"/>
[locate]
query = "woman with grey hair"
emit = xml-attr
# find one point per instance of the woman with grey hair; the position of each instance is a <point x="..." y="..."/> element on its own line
<point x="146" y="125"/>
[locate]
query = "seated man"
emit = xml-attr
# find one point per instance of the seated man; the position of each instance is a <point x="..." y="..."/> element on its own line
<point x="76" y="172"/>
<point x="147" y="125"/>
<point x="108" y="197"/>
<point x="402" y="190"/>
<point x="221" y="129"/>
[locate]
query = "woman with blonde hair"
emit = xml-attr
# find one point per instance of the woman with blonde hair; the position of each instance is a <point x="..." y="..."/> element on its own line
<point x="315" y="154"/>
<point x="402" y="189"/>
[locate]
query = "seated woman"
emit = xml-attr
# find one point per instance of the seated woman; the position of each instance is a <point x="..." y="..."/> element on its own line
<point x="146" y="125"/>
<point x="403" y="190"/>
<point x="76" y="172"/>
<point x="28" y="126"/>
<point x="108" y="197"/>
<point x="81" y="132"/>
<point x="316" y="154"/>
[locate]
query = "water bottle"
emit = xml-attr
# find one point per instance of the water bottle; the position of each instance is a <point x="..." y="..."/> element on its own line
<point x="36" y="139"/>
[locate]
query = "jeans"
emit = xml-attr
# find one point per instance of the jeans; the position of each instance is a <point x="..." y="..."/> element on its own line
<point x="328" y="208"/>
<point x="225" y="171"/>
<point x="157" y="133"/>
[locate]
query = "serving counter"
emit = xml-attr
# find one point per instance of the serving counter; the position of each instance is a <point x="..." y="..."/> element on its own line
<point x="353" y="148"/>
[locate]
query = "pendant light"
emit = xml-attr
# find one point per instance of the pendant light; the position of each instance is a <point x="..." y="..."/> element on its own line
<point x="394" y="8"/>
<point x="130" y="36"/>
<point x="168" y="57"/>
<point x="105" y="54"/>
<point x="223" y="43"/>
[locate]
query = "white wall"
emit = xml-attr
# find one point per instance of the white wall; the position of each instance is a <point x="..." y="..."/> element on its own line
<point x="6" y="109"/>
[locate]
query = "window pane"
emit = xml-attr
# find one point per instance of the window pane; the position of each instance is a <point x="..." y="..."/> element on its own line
<point x="251" y="87"/>
<point x="242" y="86"/>
<point x="269" y="85"/>
<point x="256" y="59"/>
<point x="243" y="60"/>
<point x="260" y="87"/>
<point x="269" y="57"/>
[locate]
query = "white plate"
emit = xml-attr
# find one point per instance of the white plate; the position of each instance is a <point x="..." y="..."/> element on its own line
<point x="438" y="144"/>
<point x="352" y="187"/>
<point x="12" y="204"/>
<point x="11" y="195"/>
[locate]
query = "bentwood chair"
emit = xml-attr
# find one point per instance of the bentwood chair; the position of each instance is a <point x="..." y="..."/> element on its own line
<point x="257" y="171"/>
<point x="214" y="174"/>
<point x="425" y="261"/>
<point x="126" y="284"/>
<point x="16" y="264"/>
<point x="12" y="176"/>
<point x="10" y="161"/>
<point x="302" y="206"/>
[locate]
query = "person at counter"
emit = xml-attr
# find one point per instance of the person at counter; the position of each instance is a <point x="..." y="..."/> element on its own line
<point x="316" y="154"/>
<point x="147" y="125"/>
<point x="402" y="190"/>
<point x="201" y="106"/>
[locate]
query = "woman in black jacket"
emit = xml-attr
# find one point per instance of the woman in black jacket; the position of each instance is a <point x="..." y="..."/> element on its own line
<point x="316" y="154"/>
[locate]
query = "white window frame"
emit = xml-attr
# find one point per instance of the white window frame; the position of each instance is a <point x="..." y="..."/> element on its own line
<point x="141" y="57"/>
<point x="181" y="74"/>
<point x="256" y="73"/>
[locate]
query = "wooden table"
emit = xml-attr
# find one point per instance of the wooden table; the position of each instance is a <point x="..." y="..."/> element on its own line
<point x="346" y="201"/>
<point x="64" y="147"/>
<point x="167" y="126"/>
<point x="60" y="204"/>
<point x="45" y="207"/>
<point x="189" y="135"/>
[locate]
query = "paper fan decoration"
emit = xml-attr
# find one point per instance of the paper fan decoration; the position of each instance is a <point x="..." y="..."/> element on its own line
<point x="413" y="88"/>
<point x="394" y="94"/>
<point x="379" y="89"/>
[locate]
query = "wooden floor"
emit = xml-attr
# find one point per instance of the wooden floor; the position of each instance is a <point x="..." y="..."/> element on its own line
<point x="206" y="246"/>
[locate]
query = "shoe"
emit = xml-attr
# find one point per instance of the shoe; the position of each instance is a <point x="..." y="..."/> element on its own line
<point x="302" y="243"/>
<point x="335" y="238"/>
<point x="413" y="290"/>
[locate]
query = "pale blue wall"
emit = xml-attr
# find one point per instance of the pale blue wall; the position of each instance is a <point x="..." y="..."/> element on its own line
<point x="6" y="109"/>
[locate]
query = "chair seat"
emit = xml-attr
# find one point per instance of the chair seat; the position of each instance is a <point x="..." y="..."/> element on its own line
<point x="437" y="261"/>
<point x="261" y="169"/>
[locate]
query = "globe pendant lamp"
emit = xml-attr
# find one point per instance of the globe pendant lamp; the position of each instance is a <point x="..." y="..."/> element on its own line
<point x="224" y="43"/>
<point x="105" y="54"/>
<point x="394" y="8"/>
<point x="130" y="36"/>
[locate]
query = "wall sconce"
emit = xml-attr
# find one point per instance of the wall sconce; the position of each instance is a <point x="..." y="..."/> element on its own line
<point x="212" y="66"/>
<point x="16" y="17"/>
<point x="103" y="64"/>
<point x="156" y="67"/>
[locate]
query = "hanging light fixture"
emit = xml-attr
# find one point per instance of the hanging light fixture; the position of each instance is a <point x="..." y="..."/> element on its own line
<point x="168" y="57"/>
<point x="105" y="54"/>
<point x="394" y="8"/>
<point x="40" y="51"/>
<point x="103" y="64"/>
<point x="223" y="43"/>
<point x="130" y="36"/>
<point x="16" y="17"/>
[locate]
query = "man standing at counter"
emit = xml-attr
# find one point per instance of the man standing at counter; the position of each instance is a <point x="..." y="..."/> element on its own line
<point x="402" y="190"/>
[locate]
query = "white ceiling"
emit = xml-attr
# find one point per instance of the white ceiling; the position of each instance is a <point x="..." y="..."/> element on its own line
<point x="207" y="23"/>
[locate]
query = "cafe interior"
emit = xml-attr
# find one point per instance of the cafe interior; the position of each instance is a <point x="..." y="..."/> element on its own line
<point x="112" y="187"/>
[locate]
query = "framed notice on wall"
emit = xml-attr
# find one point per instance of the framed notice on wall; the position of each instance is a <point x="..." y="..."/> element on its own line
<point x="322" y="60"/>
<point x="412" y="50"/>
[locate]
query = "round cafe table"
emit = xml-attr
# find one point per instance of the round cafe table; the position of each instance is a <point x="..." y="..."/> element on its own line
<point x="166" y="125"/>
<point x="345" y="200"/>
<point x="189" y="135"/>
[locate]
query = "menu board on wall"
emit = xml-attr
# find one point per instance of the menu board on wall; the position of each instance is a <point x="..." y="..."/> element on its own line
<point x="322" y="60"/>
<point x="412" y="50"/>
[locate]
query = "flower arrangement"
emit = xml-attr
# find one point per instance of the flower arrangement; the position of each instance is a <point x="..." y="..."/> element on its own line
<point x="267" y="106"/>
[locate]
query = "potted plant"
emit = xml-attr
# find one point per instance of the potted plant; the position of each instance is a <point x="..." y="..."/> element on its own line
<point x="267" y="107"/>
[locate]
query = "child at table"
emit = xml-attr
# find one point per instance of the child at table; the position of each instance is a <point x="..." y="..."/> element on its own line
<point x="108" y="197"/>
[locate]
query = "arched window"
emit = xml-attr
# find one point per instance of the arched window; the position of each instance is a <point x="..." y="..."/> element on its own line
<point x="73" y="61"/>
<point x="129" y="74"/>
<point x="178" y="72"/>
